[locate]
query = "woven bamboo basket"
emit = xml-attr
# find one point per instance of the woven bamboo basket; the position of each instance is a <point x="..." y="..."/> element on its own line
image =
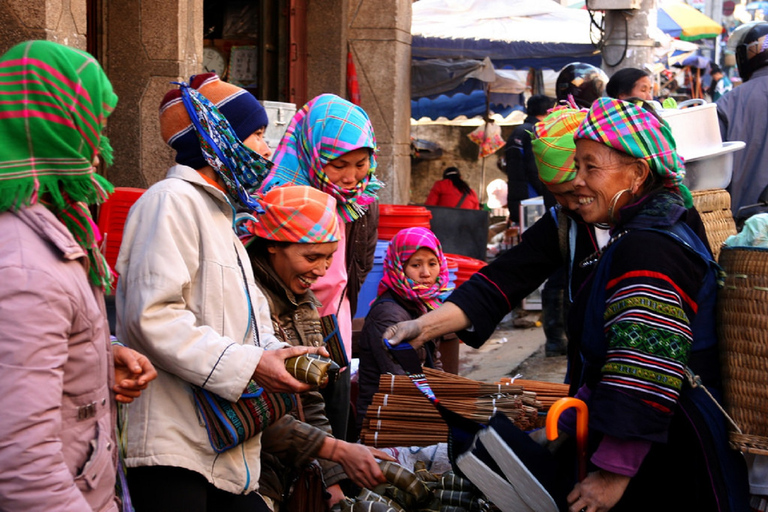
<point x="743" y="332"/>
<point x="714" y="206"/>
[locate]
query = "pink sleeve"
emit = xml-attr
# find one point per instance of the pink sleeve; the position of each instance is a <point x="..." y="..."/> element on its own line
<point x="33" y="350"/>
<point x="621" y="456"/>
<point x="329" y="289"/>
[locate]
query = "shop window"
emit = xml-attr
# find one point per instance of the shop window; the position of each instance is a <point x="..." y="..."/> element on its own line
<point x="247" y="43"/>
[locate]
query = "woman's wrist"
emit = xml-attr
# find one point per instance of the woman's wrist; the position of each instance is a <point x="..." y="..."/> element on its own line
<point x="330" y="449"/>
<point x="333" y="448"/>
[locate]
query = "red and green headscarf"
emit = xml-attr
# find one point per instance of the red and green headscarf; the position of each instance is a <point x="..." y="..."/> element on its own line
<point x="635" y="131"/>
<point x="401" y="248"/>
<point x="54" y="103"/>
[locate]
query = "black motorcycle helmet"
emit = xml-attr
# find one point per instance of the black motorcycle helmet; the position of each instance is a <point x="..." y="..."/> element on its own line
<point x="750" y="45"/>
<point x="583" y="81"/>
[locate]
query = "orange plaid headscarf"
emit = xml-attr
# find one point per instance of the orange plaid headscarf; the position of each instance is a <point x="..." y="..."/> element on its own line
<point x="297" y="214"/>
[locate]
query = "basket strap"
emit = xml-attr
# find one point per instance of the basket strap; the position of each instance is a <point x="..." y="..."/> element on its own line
<point x="695" y="382"/>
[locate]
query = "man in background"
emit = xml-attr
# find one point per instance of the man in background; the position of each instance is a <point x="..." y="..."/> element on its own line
<point x="742" y="114"/>
<point x="721" y="84"/>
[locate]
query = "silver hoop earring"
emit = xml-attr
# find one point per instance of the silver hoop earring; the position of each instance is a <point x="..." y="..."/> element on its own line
<point x="612" y="207"/>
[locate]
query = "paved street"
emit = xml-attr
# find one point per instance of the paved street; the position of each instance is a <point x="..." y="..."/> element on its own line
<point x="511" y="351"/>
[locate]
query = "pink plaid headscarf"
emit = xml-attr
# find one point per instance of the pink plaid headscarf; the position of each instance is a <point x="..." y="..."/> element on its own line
<point x="633" y="130"/>
<point x="400" y="249"/>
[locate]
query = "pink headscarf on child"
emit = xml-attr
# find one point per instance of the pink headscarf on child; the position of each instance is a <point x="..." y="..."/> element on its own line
<point x="400" y="249"/>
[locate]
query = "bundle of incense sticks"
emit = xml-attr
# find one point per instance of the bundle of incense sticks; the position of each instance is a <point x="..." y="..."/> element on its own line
<point x="400" y="415"/>
<point x="547" y="393"/>
<point x="446" y="385"/>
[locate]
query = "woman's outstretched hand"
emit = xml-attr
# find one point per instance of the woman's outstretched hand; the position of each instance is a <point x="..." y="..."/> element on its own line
<point x="446" y="319"/>
<point x="408" y="331"/>
<point x="359" y="461"/>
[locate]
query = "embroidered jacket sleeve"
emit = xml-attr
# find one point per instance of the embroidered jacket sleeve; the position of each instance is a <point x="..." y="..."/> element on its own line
<point x="651" y="297"/>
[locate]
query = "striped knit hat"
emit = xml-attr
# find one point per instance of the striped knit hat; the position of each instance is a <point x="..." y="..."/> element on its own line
<point x="553" y="145"/>
<point x="635" y="131"/>
<point x="297" y="214"/>
<point x="243" y="111"/>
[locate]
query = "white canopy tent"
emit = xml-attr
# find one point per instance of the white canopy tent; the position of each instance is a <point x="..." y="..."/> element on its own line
<point x="506" y="36"/>
<point x="509" y="21"/>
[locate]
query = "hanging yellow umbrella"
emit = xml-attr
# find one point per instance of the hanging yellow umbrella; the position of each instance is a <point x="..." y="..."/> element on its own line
<point x="682" y="21"/>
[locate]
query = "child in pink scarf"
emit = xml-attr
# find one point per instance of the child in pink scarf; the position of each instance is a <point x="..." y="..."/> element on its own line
<point x="415" y="281"/>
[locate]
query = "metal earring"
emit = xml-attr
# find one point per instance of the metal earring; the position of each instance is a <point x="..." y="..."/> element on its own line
<point x="612" y="208"/>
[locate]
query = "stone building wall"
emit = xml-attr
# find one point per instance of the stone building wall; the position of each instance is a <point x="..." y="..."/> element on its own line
<point x="62" y="21"/>
<point x="380" y="43"/>
<point x="458" y="151"/>
<point x="147" y="44"/>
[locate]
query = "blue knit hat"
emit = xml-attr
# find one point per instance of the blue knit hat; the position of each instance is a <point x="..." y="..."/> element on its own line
<point x="240" y="107"/>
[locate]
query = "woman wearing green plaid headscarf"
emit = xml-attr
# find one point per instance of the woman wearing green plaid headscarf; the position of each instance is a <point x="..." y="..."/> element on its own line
<point x="643" y="325"/>
<point x="60" y="377"/>
<point x="55" y="105"/>
<point x="636" y="132"/>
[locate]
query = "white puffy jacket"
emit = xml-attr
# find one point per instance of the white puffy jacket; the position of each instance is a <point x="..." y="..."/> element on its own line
<point x="181" y="300"/>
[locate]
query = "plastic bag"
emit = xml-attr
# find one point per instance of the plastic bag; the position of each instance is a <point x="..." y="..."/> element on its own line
<point x="488" y="137"/>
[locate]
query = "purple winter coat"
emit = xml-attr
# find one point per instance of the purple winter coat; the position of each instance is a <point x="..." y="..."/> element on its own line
<point x="57" y="411"/>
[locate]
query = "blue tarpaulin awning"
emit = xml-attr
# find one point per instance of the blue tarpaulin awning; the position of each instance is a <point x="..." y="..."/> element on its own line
<point x="451" y="107"/>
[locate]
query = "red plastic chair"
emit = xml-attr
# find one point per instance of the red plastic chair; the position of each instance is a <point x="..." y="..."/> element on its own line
<point x="112" y="215"/>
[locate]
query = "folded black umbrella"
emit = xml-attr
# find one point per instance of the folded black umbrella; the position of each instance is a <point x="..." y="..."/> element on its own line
<point x="514" y="471"/>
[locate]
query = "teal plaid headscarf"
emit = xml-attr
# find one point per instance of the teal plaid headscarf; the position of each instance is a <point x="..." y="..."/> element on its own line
<point x="633" y="130"/>
<point x="326" y="128"/>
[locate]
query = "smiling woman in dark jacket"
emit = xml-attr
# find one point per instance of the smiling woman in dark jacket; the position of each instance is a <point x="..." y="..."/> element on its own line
<point x="295" y="241"/>
<point x="330" y="145"/>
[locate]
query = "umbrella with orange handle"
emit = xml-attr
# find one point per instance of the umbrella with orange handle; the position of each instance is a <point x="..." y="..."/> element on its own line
<point x="582" y="418"/>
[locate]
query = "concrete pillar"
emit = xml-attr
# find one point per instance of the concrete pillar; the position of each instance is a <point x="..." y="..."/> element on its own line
<point x="714" y="9"/>
<point x="326" y="47"/>
<point x="380" y="41"/>
<point x="378" y="33"/>
<point x="149" y="44"/>
<point x="62" y="21"/>
<point x="629" y="44"/>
